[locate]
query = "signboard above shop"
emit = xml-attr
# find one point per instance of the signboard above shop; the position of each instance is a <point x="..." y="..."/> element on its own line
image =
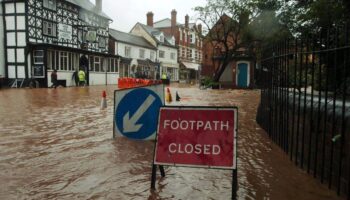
<point x="197" y="136"/>
<point x="65" y="32"/>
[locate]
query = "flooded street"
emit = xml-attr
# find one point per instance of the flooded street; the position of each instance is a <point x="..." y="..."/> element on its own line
<point x="57" y="144"/>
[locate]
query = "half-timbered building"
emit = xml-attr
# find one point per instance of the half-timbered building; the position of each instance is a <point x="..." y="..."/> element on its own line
<point x="66" y="35"/>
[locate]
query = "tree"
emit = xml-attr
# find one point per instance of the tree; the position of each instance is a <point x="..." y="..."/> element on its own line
<point x="233" y="24"/>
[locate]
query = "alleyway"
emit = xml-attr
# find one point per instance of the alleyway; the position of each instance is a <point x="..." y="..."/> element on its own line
<point x="57" y="144"/>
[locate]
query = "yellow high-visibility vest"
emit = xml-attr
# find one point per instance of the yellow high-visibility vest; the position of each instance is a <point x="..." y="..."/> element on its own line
<point x="81" y="75"/>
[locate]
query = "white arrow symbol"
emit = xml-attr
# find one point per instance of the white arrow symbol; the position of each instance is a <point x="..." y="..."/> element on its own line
<point x="129" y="124"/>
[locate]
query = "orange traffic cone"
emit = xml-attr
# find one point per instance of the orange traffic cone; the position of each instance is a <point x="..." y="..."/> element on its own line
<point x="103" y="100"/>
<point x="168" y="98"/>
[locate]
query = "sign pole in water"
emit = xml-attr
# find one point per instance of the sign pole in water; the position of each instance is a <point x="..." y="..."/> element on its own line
<point x="197" y="137"/>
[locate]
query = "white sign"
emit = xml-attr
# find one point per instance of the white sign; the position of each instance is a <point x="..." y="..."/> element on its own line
<point x="64" y="31"/>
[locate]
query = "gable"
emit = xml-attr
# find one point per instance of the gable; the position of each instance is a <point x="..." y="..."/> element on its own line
<point x="140" y="31"/>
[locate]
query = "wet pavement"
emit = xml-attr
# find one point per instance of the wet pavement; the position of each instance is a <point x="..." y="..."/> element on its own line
<point x="57" y="144"/>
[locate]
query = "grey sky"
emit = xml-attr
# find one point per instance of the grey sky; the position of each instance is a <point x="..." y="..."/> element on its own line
<point x="126" y="13"/>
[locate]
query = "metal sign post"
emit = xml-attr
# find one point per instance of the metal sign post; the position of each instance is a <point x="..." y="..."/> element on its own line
<point x="197" y="137"/>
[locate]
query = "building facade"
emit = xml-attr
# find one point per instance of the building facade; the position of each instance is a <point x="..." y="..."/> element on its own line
<point x="239" y="70"/>
<point x="188" y="39"/>
<point x="66" y="35"/>
<point x="166" y="48"/>
<point x="137" y="56"/>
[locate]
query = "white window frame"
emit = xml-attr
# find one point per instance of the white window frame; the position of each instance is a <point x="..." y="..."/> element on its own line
<point x="49" y="26"/>
<point x="151" y="56"/>
<point x="50" y="4"/>
<point x="127" y="51"/>
<point x="161" y="54"/>
<point x="141" y="53"/>
<point x="63" y="60"/>
<point x="97" y="62"/>
<point x="172" y="55"/>
<point x="35" y="56"/>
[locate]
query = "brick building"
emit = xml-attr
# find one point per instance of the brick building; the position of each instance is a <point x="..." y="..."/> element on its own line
<point x="239" y="70"/>
<point x="189" y="42"/>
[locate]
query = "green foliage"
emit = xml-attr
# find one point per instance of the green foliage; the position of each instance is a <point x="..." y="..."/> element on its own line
<point x="308" y="17"/>
<point x="208" y="82"/>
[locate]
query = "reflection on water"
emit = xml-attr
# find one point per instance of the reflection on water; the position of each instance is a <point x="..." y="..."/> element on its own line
<point x="57" y="144"/>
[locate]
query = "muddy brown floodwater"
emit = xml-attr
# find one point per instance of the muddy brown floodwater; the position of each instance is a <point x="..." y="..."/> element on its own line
<point x="57" y="144"/>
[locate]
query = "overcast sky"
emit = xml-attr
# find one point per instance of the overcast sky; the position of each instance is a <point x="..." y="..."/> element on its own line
<point x="126" y="13"/>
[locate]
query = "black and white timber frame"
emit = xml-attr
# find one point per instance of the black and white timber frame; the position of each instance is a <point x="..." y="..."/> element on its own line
<point x="26" y="32"/>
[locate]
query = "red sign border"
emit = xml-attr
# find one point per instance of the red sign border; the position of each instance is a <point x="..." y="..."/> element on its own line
<point x="235" y="130"/>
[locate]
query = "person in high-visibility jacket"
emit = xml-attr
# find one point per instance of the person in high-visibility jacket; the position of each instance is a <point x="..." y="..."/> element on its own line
<point x="164" y="76"/>
<point x="81" y="75"/>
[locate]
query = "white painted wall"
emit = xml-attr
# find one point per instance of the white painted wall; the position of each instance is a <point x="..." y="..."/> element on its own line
<point x="167" y="59"/>
<point x="227" y="74"/>
<point x="135" y="51"/>
<point x="2" y="53"/>
<point x="96" y="78"/>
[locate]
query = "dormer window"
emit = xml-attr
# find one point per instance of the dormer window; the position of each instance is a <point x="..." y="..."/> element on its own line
<point x="50" y="4"/>
<point x="161" y="38"/>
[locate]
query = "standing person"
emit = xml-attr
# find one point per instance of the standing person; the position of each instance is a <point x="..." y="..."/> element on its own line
<point x="54" y="79"/>
<point x="81" y="75"/>
<point x="75" y="77"/>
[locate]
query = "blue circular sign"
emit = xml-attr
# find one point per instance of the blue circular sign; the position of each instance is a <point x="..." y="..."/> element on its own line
<point x="137" y="113"/>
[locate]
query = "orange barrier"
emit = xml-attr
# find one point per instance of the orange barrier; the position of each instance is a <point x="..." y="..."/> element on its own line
<point x="127" y="82"/>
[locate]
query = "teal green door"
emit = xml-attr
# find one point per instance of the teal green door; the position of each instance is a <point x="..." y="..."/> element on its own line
<point x="242" y="75"/>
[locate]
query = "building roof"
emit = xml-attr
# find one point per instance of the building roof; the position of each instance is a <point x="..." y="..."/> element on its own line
<point x="155" y="32"/>
<point x="165" y="23"/>
<point x="87" y="5"/>
<point x="130" y="39"/>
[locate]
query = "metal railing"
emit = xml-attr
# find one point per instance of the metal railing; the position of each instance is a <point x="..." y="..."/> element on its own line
<point x="305" y="103"/>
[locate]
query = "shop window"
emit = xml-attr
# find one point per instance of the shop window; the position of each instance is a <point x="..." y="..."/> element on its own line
<point x="63" y="64"/>
<point x="97" y="64"/>
<point x="38" y="57"/>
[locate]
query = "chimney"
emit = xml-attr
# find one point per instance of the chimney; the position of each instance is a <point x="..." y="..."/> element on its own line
<point x="98" y="4"/>
<point x="149" y="19"/>
<point x="186" y="21"/>
<point x="199" y="27"/>
<point x="173" y="21"/>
